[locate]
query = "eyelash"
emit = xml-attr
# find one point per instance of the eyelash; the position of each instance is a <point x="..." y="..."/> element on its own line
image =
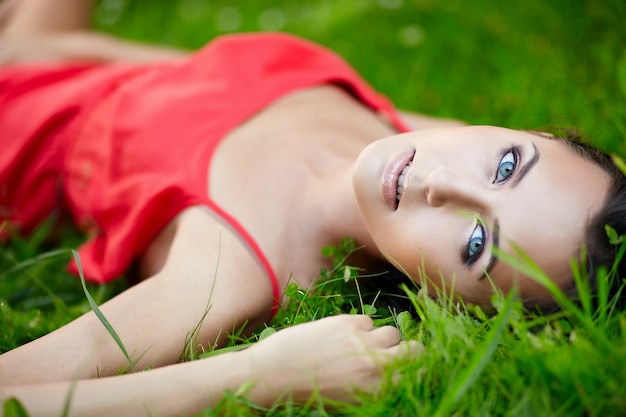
<point x="479" y="229"/>
<point x="470" y="257"/>
<point x="514" y="152"/>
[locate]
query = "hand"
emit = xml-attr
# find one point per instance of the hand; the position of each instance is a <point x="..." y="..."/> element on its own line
<point x="335" y="357"/>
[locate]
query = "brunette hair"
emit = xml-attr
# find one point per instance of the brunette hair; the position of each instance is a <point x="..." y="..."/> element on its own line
<point x="600" y="248"/>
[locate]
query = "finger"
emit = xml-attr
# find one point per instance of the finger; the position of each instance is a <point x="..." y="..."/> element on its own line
<point x="385" y="337"/>
<point x="404" y="350"/>
<point x="362" y="322"/>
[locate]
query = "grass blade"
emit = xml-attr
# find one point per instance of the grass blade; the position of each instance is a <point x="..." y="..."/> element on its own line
<point x="13" y="408"/>
<point x="477" y="364"/>
<point x="99" y="313"/>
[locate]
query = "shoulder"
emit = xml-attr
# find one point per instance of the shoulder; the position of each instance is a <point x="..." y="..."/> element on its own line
<point x="197" y="247"/>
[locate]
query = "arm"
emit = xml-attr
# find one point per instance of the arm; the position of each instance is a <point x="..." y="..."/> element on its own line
<point x="44" y="30"/>
<point x="332" y="356"/>
<point x="24" y="17"/>
<point x="207" y="267"/>
<point x="80" y="46"/>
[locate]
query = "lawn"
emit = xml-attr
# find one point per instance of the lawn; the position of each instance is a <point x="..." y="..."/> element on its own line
<point x="530" y="64"/>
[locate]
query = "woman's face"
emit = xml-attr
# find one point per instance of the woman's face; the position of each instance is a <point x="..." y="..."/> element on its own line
<point x="436" y="202"/>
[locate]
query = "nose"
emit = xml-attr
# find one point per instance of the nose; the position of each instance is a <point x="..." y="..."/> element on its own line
<point x="445" y="186"/>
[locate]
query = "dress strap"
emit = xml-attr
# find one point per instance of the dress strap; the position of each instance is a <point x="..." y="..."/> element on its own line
<point x="254" y="247"/>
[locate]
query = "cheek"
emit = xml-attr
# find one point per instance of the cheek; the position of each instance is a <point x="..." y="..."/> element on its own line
<point x="456" y="283"/>
<point x="415" y="244"/>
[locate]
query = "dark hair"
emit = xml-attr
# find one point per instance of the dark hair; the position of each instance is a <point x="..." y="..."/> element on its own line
<point x="600" y="252"/>
<point x="384" y="289"/>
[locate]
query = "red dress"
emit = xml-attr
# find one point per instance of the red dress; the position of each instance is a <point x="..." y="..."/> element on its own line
<point x="126" y="147"/>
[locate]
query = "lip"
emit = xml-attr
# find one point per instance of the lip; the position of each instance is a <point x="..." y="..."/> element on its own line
<point x="390" y="177"/>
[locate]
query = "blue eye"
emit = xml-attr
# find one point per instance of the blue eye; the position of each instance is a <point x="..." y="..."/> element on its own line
<point x="476" y="244"/>
<point x="506" y="167"/>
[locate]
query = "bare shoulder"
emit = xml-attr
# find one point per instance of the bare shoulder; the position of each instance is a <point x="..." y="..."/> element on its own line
<point x="207" y="287"/>
<point x="198" y="247"/>
<point x="185" y="236"/>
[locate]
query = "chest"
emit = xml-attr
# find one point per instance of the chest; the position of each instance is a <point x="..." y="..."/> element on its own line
<point x="271" y="173"/>
<point x="303" y="137"/>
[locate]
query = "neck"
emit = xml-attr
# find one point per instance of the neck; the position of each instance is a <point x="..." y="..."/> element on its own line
<point x="339" y="216"/>
<point x="318" y="153"/>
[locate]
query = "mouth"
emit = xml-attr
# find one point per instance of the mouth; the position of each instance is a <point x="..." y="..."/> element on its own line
<point x="401" y="184"/>
<point x="395" y="178"/>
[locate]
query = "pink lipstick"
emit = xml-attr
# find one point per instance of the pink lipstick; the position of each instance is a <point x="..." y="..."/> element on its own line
<point x="394" y="168"/>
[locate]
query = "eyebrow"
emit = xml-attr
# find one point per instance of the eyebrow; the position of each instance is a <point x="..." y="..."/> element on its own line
<point x="527" y="166"/>
<point x="495" y="243"/>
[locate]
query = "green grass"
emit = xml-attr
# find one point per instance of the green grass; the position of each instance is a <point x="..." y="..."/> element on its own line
<point x="527" y="64"/>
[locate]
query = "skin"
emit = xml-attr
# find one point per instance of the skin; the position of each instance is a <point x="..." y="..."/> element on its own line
<point x="454" y="180"/>
<point x="350" y="353"/>
<point x="333" y="356"/>
<point x="294" y="139"/>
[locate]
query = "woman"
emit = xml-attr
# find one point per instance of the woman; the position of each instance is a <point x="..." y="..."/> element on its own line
<point x="219" y="170"/>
